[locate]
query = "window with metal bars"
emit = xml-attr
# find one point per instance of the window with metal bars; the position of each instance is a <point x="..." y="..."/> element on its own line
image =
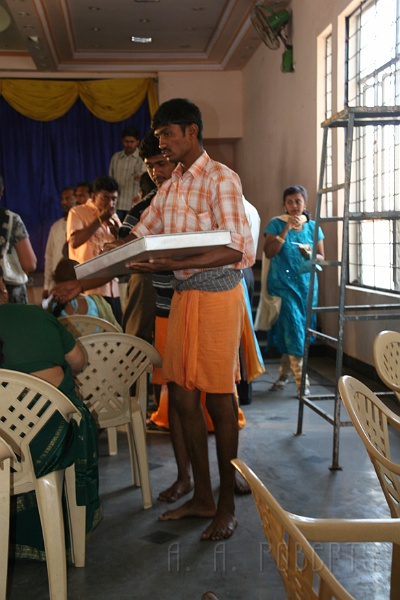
<point x="373" y="79"/>
<point x="327" y="114"/>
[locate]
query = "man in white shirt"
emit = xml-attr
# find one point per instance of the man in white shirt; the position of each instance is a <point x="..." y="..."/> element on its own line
<point x="126" y="167"/>
<point x="244" y="387"/>
<point x="57" y="239"/>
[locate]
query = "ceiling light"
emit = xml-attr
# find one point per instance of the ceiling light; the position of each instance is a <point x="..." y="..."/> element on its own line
<point x="34" y="38"/>
<point x="141" y="40"/>
<point x="24" y="14"/>
<point x="144" y="20"/>
<point x="197" y="8"/>
<point x="95" y="29"/>
<point x="94" y="8"/>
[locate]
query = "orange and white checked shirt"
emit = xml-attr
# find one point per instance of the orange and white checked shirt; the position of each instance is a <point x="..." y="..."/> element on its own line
<point x="207" y="196"/>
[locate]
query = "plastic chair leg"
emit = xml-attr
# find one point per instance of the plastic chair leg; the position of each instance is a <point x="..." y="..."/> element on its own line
<point x="132" y="455"/>
<point x="139" y="436"/>
<point x="77" y="520"/>
<point x="4" y="525"/>
<point x="49" y="498"/>
<point x="112" y="441"/>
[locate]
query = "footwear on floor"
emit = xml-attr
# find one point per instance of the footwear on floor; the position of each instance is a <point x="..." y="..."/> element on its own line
<point x="307" y="392"/>
<point x="279" y="384"/>
<point x="151" y="426"/>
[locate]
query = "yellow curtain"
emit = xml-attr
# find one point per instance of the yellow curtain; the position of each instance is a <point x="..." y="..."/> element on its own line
<point x="110" y="100"/>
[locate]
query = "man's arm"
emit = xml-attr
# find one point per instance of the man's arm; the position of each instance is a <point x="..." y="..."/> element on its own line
<point x="68" y="290"/>
<point x="218" y="257"/>
<point x="78" y="237"/>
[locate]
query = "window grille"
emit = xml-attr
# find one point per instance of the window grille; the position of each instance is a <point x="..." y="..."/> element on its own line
<point x="373" y="79"/>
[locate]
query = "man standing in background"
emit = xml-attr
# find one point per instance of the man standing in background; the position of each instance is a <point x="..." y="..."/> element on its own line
<point x="83" y="192"/>
<point x="89" y="227"/>
<point x="126" y="167"/>
<point x="57" y="239"/>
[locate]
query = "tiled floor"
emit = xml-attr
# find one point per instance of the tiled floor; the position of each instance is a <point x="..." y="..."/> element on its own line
<point x="133" y="555"/>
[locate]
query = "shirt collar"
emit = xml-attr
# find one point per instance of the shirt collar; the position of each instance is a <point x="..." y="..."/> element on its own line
<point x="195" y="169"/>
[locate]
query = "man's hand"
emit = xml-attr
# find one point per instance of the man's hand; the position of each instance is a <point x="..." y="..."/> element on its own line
<point x="111" y="245"/>
<point x="154" y="265"/>
<point x="66" y="291"/>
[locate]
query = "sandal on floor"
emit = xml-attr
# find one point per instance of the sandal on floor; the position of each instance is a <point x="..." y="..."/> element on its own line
<point x="279" y="384"/>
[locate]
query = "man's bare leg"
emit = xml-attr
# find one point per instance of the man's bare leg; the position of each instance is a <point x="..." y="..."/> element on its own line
<point x="223" y="411"/>
<point x="183" y="484"/>
<point x="194" y="430"/>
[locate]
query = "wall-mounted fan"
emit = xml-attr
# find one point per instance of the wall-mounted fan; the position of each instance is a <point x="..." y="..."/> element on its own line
<point x="273" y="28"/>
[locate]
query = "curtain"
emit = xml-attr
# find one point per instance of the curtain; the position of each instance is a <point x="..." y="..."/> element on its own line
<point x="39" y="157"/>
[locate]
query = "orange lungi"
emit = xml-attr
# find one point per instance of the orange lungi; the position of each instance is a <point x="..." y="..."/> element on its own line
<point x="203" y="337"/>
<point x="160" y="416"/>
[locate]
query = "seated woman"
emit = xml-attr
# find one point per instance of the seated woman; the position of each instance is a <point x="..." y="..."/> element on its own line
<point x="34" y="341"/>
<point x="84" y="304"/>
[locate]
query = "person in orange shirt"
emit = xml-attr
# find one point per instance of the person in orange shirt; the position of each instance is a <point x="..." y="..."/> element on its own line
<point x="92" y="225"/>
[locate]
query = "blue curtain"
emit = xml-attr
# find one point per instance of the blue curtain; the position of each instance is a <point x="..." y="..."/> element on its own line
<point x="38" y="159"/>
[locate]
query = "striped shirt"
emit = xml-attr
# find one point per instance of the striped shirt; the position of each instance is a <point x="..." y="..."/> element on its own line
<point x="206" y="197"/>
<point x="123" y="167"/>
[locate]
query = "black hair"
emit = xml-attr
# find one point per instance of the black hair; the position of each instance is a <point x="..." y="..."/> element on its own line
<point x="146" y="184"/>
<point x="297" y="189"/>
<point x="149" y="146"/>
<point x="64" y="270"/>
<point x="178" y="111"/>
<point x="130" y="131"/>
<point x="86" y="184"/>
<point x="105" y="182"/>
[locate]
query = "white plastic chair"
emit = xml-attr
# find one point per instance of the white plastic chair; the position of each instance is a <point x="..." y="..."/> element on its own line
<point x="386" y="350"/>
<point x="289" y="535"/>
<point x="371" y="419"/>
<point x="27" y="403"/>
<point x="78" y="326"/>
<point x="117" y="363"/>
<point x="6" y="456"/>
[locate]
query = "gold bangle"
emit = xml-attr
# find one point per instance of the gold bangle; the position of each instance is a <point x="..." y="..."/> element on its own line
<point x="100" y="221"/>
<point x="280" y="239"/>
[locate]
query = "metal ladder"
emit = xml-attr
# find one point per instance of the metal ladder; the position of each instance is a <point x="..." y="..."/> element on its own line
<point x="349" y="119"/>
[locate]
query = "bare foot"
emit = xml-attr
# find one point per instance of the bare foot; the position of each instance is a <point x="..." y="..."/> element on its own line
<point x="241" y="487"/>
<point x="176" y="491"/>
<point x="189" y="509"/>
<point x="221" y="527"/>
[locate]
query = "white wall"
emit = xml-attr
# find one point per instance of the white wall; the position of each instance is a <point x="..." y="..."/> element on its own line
<point x="272" y="121"/>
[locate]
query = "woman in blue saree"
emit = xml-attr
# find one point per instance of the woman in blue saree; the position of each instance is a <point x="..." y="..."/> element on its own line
<point x="288" y="245"/>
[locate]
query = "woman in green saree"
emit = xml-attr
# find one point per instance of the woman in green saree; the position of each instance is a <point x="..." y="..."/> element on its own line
<point x="34" y="341"/>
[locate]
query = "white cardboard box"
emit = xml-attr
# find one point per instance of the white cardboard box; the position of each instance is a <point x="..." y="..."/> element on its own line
<point x="178" y="245"/>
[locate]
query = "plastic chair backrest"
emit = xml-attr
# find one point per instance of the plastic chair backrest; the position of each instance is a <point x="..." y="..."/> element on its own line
<point x="27" y="403"/>
<point x="116" y="361"/>
<point x="371" y="418"/>
<point x="304" y="574"/>
<point x="80" y="325"/>
<point x="386" y="350"/>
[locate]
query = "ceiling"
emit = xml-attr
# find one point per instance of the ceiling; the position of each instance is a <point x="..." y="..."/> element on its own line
<point x="92" y="38"/>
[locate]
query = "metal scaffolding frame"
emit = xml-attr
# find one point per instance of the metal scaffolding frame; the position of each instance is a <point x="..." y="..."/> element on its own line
<point x="348" y="119"/>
